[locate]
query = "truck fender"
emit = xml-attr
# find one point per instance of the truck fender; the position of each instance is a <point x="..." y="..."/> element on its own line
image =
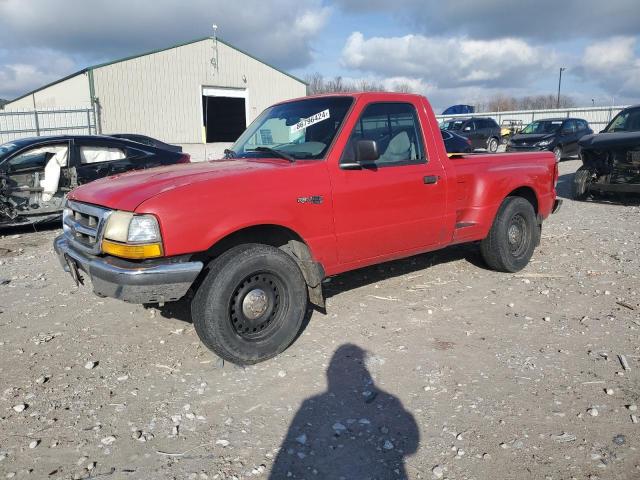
<point x="313" y="272"/>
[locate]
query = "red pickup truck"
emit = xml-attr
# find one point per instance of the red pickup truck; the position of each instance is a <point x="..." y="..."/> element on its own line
<point x="314" y="187"/>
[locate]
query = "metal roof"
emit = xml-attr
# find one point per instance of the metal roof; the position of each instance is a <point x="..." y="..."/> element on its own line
<point x="151" y="52"/>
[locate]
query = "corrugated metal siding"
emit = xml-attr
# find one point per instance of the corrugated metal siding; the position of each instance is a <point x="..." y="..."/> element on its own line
<point x="161" y="94"/>
<point x="598" y="117"/>
<point x="70" y="93"/>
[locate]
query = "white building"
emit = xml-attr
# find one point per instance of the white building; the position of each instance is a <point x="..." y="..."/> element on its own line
<point x="200" y="94"/>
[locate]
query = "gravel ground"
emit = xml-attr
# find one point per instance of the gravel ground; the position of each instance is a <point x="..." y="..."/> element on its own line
<point x="430" y="367"/>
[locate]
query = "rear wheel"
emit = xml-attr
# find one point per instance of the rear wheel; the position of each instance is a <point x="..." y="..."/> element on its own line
<point x="251" y="304"/>
<point x="581" y="180"/>
<point x="492" y="145"/>
<point x="513" y="236"/>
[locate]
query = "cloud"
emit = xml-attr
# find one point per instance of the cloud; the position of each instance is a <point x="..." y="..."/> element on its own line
<point x="448" y="62"/>
<point x="614" y="65"/>
<point x="281" y="32"/>
<point x="543" y="20"/>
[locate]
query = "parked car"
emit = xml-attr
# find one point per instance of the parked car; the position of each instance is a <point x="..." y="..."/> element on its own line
<point x="509" y="128"/>
<point x="314" y="187"/>
<point x="557" y="135"/>
<point x="483" y="132"/>
<point x="611" y="159"/>
<point x="455" y="143"/>
<point x="37" y="173"/>
<point x="152" y="142"/>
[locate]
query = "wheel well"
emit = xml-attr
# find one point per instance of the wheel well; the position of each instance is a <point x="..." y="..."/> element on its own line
<point x="276" y="236"/>
<point x="528" y="194"/>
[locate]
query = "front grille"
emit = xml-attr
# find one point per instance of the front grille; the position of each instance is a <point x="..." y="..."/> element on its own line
<point x="85" y="225"/>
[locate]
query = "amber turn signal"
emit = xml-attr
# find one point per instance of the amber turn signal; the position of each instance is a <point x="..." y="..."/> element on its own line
<point x="133" y="252"/>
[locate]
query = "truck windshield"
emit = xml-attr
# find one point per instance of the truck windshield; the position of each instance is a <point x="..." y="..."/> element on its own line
<point x="625" y="121"/>
<point x="303" y="129"/>
<point x="544" y="126"/>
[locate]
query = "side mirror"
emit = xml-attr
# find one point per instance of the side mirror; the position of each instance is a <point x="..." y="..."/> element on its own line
<point x="367" y="151"/>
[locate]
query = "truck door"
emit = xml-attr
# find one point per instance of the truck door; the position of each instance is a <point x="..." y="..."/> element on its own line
<point x="392" y="204"/>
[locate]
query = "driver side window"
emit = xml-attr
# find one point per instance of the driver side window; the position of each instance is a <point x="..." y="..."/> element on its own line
<point x="395" y="129"/>
<point x="37" y="158"/>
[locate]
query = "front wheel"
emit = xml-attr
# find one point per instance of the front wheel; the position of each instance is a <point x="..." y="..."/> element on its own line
<point x="492" y="145"/>
<point x="581" y="180"/>
<point x="557" y="152"/>
<point x="513" y="236"/>
<point x="251" y="304"/>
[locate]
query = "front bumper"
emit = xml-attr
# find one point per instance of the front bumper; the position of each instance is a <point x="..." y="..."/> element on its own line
<point x="158" y="281"/>
<point x="528" y="148"/>
<point x="557" y="204"/>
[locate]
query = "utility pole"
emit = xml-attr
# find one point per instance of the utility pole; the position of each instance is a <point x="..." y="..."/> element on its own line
<point x="562" y="69"/>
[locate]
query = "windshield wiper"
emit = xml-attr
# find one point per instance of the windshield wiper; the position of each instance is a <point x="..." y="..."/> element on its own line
<point x="228" y="153"/>
<point x="273" y="151"/>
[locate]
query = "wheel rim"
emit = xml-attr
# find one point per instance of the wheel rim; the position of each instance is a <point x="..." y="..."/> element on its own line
<point x="493" y="145"/>
<point x="256" y="306"/>
<point x="517" y="235"/>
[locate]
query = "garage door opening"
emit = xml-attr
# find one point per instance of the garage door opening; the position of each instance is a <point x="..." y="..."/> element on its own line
<point x="225" y="118"/>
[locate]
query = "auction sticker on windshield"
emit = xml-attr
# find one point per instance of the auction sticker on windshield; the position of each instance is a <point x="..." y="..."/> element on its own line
<point x="307" y="122"/>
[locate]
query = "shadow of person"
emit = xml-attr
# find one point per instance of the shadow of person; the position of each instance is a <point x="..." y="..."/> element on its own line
<point x="354" y="430"/>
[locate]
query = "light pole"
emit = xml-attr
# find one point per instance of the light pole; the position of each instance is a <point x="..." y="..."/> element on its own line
<point x="562" y="69"/>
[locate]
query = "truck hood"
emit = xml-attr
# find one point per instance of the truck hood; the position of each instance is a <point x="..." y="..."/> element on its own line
<point x="127" y="191"/>
<point x="603" y="141"/>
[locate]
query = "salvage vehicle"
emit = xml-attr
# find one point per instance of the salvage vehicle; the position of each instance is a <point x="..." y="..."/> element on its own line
<point x="611" y="159"/>
<point x="455" y="143"/>
<point x="483" y="132"/>
<point x="37" y="173"/>
<point x="145" y="140"/>
<point x="557" y="135"/>
<point x="314" y="187"/>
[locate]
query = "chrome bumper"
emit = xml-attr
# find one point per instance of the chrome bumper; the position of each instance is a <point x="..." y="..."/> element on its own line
<point x="557" y="204"/>
<point x="158" y="281"/>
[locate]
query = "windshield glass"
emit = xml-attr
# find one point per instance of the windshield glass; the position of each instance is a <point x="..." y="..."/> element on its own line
<point x="303" y="129"/>
<point x="542" y="126"/>
<point x="625" y="121"/>
<point x="452" y="125"/>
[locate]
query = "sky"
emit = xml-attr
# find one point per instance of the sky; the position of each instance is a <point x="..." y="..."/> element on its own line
<point x="456" y="51"/>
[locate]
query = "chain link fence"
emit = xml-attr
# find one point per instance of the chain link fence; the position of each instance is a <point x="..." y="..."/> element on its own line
<point x="598" y="117"/>
<point x="36" y="123"/>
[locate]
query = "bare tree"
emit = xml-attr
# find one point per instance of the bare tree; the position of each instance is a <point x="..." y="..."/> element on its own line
<point x="402" y="87"/>
<point x="502" y="103"/>
<point x="317" y="84"/>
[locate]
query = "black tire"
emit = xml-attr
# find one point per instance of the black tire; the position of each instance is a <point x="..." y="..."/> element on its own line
<point x="557" y="152"/>
<point x="492" y="144"/>
<point x="513" y="236"/>
<point x="580" y="186"/>
<point x="224" y="321"/>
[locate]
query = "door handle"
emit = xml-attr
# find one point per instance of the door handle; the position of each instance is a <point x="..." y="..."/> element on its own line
<point x="431" y="179"/>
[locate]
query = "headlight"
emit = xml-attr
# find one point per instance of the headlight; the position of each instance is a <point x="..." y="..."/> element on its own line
<point x="143" y="229"/>
<point x="132" y="236"/>
<point x="543" y="143"/>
